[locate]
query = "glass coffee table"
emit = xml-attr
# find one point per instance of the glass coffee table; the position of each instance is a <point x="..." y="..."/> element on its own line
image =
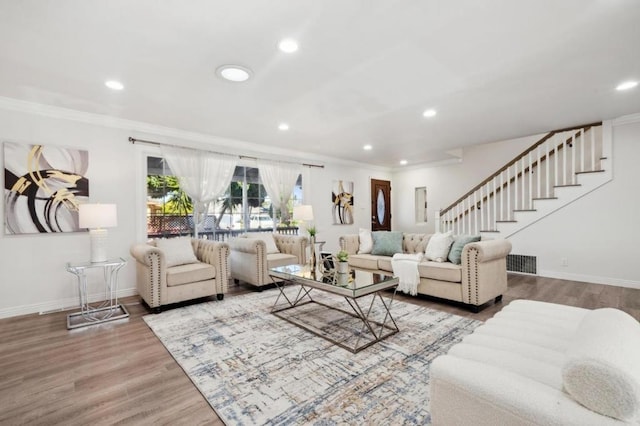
<point x="363" y="320"/>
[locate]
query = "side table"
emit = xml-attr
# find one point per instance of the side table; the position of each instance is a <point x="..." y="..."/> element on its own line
<point x="110" y="309"/>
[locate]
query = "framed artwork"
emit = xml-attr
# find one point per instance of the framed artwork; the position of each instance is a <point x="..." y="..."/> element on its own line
<point x="43" y="186"/>
<point x="342" y="202"/>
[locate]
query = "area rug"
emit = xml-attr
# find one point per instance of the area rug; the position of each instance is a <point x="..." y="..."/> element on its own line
<point x="256" y="368"/>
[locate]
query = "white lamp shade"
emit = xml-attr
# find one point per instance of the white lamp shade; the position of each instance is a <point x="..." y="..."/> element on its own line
<point x="303" y="212"/>
<point x="95" y="216"/>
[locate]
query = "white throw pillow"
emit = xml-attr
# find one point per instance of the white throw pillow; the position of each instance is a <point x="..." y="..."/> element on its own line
<point x="438" y="246"/>
<point x="366" y="241"/>
<point x="268" y="240"/>
<point x="177" y="251"/>
<point x="602" y="368"/>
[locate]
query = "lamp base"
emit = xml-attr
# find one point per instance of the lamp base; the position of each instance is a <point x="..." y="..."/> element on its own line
<point x="98" y="245"/>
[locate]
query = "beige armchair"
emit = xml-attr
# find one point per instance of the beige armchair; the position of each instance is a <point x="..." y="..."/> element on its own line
<point x="250" y="257"/>
<point x="161" y="283"/>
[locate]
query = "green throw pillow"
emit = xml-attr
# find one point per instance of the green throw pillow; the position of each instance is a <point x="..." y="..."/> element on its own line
<point x="455" y="254"/>
<point x="386" y="243"/>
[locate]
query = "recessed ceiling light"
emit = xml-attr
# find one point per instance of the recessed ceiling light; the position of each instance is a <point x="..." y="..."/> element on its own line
<point x="403" y="162"/>
<point x="367" y="147"/>
<point x="429" y="113"/>
<point x="288" y="45"/>
<point x="114" y="85"/>
<point x="234" y="73"/>
<point x="283" y="126"/>
<point x="627" y="85"/>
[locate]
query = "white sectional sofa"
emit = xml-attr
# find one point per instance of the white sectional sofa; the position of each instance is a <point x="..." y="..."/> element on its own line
<point x="539" y="363"/>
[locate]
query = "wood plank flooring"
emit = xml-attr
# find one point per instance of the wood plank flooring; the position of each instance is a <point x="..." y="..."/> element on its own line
<point x="119" y="373"/>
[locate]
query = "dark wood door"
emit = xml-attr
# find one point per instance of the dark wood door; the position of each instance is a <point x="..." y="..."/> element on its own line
<point x="380" y="205"/>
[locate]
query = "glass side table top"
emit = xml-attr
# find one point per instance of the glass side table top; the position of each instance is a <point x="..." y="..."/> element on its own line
<point x="88" y="265"/>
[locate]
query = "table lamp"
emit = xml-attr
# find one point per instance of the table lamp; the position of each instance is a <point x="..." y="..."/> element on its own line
<point x="97" y="217"/>
<point x="303" y="213"/>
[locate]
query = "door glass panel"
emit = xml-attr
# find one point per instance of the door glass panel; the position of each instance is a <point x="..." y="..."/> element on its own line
<point x="421" y="204"/>
<point x="381" y="206"/>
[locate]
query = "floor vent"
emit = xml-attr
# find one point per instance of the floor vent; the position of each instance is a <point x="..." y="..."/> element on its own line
<point x="522" y="263"/>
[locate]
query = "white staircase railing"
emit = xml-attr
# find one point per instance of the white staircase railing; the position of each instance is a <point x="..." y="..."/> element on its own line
<point x="551" y="163"/>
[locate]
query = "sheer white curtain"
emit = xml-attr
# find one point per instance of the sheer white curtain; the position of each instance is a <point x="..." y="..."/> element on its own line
<point x="203" y="175"/>
<point x="279" y="179"/>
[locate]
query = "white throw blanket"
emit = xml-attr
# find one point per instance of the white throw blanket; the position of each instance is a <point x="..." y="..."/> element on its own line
<point x="405" y="267"/>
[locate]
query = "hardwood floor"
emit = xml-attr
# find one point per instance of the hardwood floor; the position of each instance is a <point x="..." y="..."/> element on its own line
<point x="120" y="373"/>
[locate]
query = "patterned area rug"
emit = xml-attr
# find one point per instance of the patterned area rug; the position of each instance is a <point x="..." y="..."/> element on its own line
<point x="256" y="368"/>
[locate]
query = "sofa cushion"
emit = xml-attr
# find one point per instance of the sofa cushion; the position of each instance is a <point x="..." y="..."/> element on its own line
<point x="189" y="273"/>
<point x="267" y="238"/>
<point x="459" y="241"/>
<point x="386" y="243"/>
<point x="384" y="263"/>
<point x="602" y="371"/>
<point x="438" y="246"/>
<point x="364" y="261"/>
<point x="442" y="271"/>
<point x="415" y="243"/>
<point x="177" y="251"/>
<point x="280" y="259"/>
<point x="366" y="241"/>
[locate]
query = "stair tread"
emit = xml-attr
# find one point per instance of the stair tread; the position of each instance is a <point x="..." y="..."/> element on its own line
<point x="525" y="210"/>
<point x="589" y="171"/>
<point x="506" y="221"/>
<point x="545" y="198"/>
<point x="566" y="186"/>
<point x="489" y="230"/>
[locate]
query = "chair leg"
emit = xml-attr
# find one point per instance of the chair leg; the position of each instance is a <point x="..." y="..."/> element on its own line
<point x="498" y="298"/>
<point x="156" y="310"/>
<point x="220" y="296"/>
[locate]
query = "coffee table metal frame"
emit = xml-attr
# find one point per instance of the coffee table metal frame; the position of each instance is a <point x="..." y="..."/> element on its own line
<point x="375" y="330"/>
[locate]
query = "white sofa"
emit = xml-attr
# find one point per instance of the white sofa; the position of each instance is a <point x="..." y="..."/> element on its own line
<point x="539" y="363"/>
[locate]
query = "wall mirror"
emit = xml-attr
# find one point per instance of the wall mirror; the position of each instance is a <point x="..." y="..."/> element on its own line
<point x="421" y="204"/>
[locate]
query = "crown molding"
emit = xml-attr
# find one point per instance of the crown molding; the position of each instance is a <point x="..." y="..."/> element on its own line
<point x="626" y="119"/>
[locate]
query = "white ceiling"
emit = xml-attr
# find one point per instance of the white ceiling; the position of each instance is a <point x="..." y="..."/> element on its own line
<point x="364" y="73"/>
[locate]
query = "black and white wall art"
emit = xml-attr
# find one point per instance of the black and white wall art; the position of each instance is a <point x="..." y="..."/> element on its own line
<point x="43" y="186"/>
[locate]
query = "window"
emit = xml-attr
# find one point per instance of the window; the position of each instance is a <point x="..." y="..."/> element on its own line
<point x="245" y="206"/>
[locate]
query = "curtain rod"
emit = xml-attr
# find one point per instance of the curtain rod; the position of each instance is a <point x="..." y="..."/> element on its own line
<point x="134" y="141"/>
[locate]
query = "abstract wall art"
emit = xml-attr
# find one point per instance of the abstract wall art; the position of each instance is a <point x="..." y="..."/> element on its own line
<point x="342" y="202"/>
<point x="43" y="186"/>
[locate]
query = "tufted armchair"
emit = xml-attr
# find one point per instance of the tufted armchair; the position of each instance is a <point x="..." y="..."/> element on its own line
<point x="163" y="277"/>
<point x="252" y="255"/>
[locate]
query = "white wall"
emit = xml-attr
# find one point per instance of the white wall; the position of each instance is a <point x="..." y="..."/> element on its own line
<point x="318" y="193"/>
<point x="32" y="267"/>
<point x="595" y="234"/>
<point x="446" y="183"/>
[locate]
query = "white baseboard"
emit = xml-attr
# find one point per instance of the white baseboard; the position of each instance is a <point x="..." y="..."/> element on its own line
<point x="590" y="279"/>
<point x="59" y="305"/>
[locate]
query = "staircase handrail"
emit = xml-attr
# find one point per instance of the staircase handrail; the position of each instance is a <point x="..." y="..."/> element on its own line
<point x="516" y="159"/>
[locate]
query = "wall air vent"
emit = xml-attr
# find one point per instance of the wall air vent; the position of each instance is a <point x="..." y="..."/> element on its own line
<point x="522" y="263"/>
